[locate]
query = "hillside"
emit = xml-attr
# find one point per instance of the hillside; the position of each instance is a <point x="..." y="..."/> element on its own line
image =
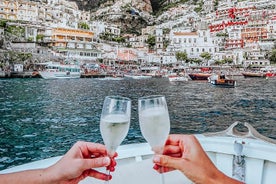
<point x="95" y="4"/>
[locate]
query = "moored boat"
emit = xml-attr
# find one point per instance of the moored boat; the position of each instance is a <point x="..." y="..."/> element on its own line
<point x="136" y="76"/>
<point x="253" y="74"/>
<point x="199" y="76"/>
<point x="177" y="78"/>
<point x="247" y="156"/>
<point x="56" y="70"/>
<point x="221" y="80"/>
<point x="270" y="74"/>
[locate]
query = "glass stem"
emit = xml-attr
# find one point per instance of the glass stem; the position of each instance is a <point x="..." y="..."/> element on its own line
<point x="107" y="172"/>
<point x="162" y="176"/>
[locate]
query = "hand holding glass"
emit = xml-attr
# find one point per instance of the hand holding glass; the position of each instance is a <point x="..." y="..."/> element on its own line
<point x="115" y="120"/>
<point x="154" y="121"/>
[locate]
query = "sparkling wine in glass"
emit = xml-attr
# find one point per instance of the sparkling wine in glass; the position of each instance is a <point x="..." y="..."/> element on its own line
<point x="154" y="122"/>
<point x="115" y="120"/>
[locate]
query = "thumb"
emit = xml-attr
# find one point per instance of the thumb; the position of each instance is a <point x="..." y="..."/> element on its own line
<point x="167" y="161"/>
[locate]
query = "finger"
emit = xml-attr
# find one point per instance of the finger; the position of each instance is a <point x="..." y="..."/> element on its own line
<point x="96" y="148"/>
<point x="87" y="149"/>
<point x="96" y="162"/>
<point x="161" y="169"/>
<point x="110" y="168"/>
<point x="113" y="162"/>
<point x="98" y="175"/>
<point x="173" y="139"/>
<point x="169" y="149"/>
<point x="167" y="161"/>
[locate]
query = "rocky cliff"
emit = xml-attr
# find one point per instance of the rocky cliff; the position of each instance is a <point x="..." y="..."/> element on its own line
<point x="147" y="5"/>
<point x="129" y="15"/>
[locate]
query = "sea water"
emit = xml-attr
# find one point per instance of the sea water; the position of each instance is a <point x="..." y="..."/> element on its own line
<point x="44" y="118"/>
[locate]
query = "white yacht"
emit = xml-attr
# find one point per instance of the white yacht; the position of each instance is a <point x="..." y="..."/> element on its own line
<point x="56" y="70"/>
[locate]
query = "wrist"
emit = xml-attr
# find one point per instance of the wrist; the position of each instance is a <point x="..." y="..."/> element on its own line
<point x="221" y="178"/>
<point x="51" y="176"/>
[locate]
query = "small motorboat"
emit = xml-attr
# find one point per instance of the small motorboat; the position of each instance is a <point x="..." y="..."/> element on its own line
<point x="199" y="76"/>
<point x="221" y="80"/>
<point x="245" y="155"/>
<point x="177" y="78"/>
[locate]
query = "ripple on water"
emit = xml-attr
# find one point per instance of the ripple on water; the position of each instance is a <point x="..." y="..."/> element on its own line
<point x="50" y="116"/>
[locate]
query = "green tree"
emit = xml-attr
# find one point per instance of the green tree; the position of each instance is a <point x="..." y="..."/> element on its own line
<point x="151" y="41"/>
<point x="39" y="37"/>
<point x="83" y="25"/>
<point x="218" y="62"/>
<point x="181" y="56"/>
<point x="206" y="56"/>
<point x="272" y="57"/>
<point x="194" y="60"/>
<point x="3" y="23"/>
<point x="228" y="60"/>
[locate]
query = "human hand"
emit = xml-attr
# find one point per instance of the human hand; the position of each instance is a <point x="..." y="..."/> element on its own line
<point x="78" y="162"/>
<point x="184" y="153"/>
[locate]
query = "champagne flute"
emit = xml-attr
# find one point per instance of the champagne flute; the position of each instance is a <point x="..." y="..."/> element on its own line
<point x="115" y="120"/>
<point x="154" y="122"/>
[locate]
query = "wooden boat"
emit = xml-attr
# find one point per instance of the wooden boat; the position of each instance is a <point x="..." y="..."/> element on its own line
<point x="253" y="74"/>
<point x="247" y="156"/>
<point x="199" y="76"/>
<point x="221" y="80"/>
<point x="55" y="70"/>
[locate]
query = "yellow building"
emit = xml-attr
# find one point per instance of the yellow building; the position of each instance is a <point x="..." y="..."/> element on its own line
<point x="8" y="10"/>
<point x="64" y="37"/>
<point x="76" y="43"/>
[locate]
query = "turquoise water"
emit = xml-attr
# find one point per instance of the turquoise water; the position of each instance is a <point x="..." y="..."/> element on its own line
<point x="43" y="118"/>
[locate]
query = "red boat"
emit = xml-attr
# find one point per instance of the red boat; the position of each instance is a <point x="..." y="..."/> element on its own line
<point x="270" y="74"/>
<point x="199" y="76"/>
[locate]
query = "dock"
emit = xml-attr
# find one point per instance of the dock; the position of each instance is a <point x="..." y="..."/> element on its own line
<point x="95" y="75"/>
<point x="26" y="74"/>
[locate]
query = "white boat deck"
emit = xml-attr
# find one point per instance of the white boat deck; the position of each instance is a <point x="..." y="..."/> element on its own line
<point x="134" y="163"/>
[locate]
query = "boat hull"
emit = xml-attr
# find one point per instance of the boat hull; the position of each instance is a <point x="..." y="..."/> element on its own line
<point x="270" y="74"/>
<point x="138" y="76"/>
<point x="225" y="83"/>
<point x="252" y="74"/>
<point x="199" y="76"/>
<point x="177" y="79"/>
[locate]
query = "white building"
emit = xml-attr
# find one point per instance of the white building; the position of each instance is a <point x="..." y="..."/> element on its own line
<point x="193" y="43"/>
<point x="168" y="58"/>
<point x="159" y="40"/>
<point x="27" y="11"/>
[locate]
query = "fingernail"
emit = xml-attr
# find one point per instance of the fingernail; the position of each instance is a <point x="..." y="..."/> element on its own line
<point x="106" y="161"/>
<point x="156" y="159"/>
